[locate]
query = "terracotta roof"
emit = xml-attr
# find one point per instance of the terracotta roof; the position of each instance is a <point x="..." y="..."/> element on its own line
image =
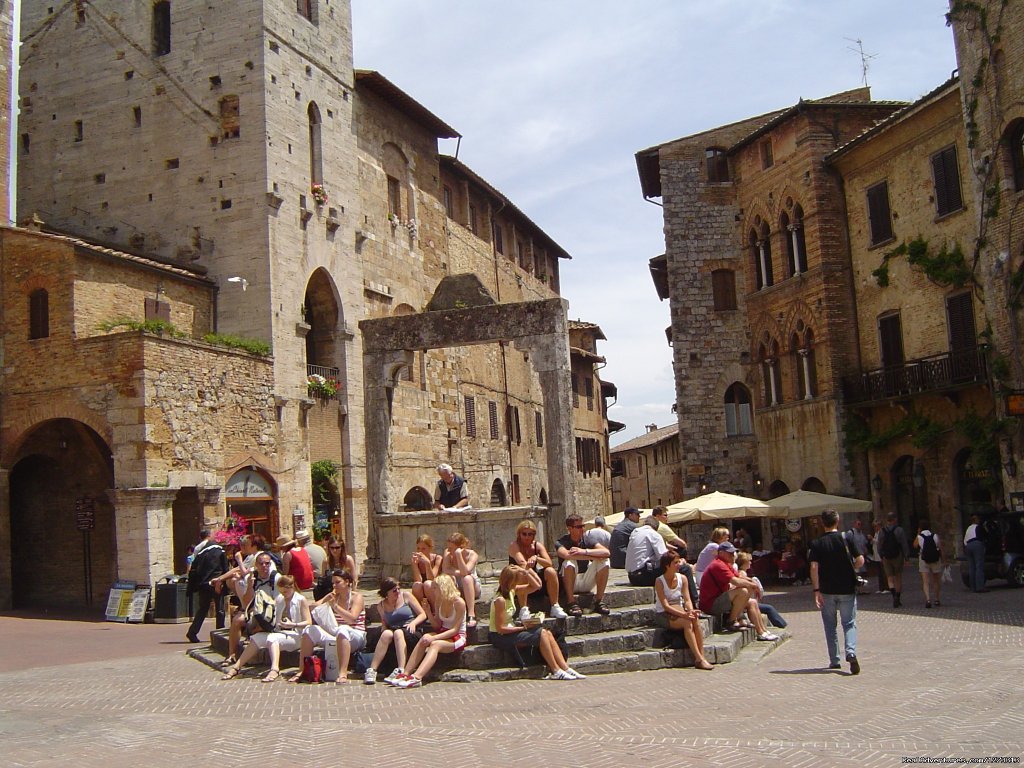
<point x="457" y="166"/>
<point x="896" y="117"/>
<point x="101" y="250"/>
<point x="648" y="439"/>
<point x="400" y="100"/>
<point x="581" y="325"/>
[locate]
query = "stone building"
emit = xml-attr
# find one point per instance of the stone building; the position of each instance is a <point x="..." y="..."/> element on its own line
<point x="989" y="39"/>
<point x="647" y="470"/>
<point x="921" y="399"/>
<point x="590" y="419"/>
<point x="756" y="270"/>
<point x="244" y="179"/>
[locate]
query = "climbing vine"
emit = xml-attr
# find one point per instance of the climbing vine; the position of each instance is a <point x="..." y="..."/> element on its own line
<point x="947" y="268"/>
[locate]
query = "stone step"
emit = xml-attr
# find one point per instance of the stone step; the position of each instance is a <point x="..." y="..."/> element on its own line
<point x="577" y="646"/>
<point x="619" y="595"/>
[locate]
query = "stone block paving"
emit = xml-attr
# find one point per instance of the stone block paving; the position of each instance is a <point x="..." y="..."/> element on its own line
<point x="944" y="683"/>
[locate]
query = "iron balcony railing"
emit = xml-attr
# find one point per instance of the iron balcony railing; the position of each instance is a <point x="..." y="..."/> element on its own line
<point x="952" y="370"/>
<point x="326" y="386"/>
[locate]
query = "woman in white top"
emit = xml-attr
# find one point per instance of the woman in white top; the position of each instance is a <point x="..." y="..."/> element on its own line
<point x="347" y="629"/>
<point x="674" y="610"/>
<point x="451" y="612"/>
<point x="710" y="551"/>
<point x="291" y="617"/>
<point x="931" y="573"/>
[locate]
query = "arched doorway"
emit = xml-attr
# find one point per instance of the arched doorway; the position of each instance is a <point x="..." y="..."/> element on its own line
<point x="498" y="496"/>
<point x="910" y="493"/>
<point x="813" y="484"/>
<point x="776" y="489"/>
<point x="322" y="313"/>
<point x="251" y="495"/>
<point x="418" y="499"/>
<point x="976" y="489"/>
<point x="63" y="546"/>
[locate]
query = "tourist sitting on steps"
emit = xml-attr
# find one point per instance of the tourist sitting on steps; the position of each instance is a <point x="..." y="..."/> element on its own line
<point x="743" y="560"/>
<point x="674" y="610"/>
<point x="291" y="617"/>
<point x="263" y="578"/>
<point x="723" y="592"/>
<point x="584" y="566"/>
<point x="401" y="616"/>
<point x="451" y="637"/>
<point x="426" y="564"/>
<point x="459" y="562"/>
<point x="529" y="553"/>
<point x="514" y="583"/>
<point x="341" y="617"/>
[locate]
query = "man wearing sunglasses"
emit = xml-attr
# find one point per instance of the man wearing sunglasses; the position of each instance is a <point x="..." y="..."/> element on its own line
<point x="583" y="566"/>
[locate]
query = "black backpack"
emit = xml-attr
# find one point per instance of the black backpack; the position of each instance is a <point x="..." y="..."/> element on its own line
<point x="890" y="544"/>
<point x="929" y="552"/>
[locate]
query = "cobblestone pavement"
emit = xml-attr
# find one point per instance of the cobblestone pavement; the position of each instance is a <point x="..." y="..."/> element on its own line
<point x="944" y="682"/>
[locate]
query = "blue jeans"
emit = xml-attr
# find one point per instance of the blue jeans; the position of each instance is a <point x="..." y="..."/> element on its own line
<point x="846" y="605"/>
<point x="975" y="564"/>
<point x="773" y="616"/>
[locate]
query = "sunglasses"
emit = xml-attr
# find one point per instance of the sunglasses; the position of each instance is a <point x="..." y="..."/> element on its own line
<point x="531" y="534"/>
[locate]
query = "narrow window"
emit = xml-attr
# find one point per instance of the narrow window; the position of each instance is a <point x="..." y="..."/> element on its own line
<point x="890" y="337"/>
<point x="1015" y="139"/>
<point x="717" y="165"/>
<point x="767" y="158"/>
<point x="229" y="117"/>
<point x="473" y="220"/>
<point x="796" y="245"/>
<point x="539" y="424"/>
<point x="588" y="388"/>
<point x="449" y="206"/>
<point x="39" y="314"/>
<point x="761" y="247"/>
<point x="575" y="392"/>
<point x="723" y="288"/>
<point x="738" y="420"/>
<point x="492" y="413"/>
<point x="79" y="130"/>
<point x="137" y="116"/>
<point x="161" y="28"/>
<point x="316" y="162"/>
<point x="26" y="142"/>
<point x="470" y="417"/>
<point x="879" y="215"/>
<point x="394" y="198"/>
<point x="963" y="339"/>
<point x="499" y="243"/>
<point x="947" y="181"/>
<point x="306" y="9"/>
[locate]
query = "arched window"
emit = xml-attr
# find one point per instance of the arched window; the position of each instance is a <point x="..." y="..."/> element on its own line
<point x="738" y="420"/>
<point x="161" y="28"/>
<point x="761" y="248"/>
<point x="418" y="499"/>
<point x="796" y="247"/>
<point x="316" y="159"/>
<point x="498" y="496"/>
<point x="717" y="165"/>
<point x="38" y="314"/>
<point x="770" y="376"/>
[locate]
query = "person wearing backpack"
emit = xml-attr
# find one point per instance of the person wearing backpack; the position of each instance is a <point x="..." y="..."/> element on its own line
<point x="894" y="550"/>
<point x="930" y="564"/>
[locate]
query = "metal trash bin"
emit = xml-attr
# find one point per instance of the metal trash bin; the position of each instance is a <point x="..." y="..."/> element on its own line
<point x="173" y="605"/>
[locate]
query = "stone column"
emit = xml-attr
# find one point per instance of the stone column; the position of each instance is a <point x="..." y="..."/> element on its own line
<point x="144" y="532"/>
<point x="6" y="576"/>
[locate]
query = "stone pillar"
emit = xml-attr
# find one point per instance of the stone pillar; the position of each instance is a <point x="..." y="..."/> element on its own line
<point x="6" y="577"/>
<point x="549" y="354"/>
<point x="144" y="532"/>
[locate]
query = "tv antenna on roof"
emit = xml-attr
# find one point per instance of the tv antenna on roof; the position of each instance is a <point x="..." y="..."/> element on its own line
<point x="865" y="58"/>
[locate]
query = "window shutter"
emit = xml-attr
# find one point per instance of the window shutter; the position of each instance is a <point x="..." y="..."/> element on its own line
<point x="492" y="413"/>
<point x="947" y="181"/>
<point x="890" y="336"/>
<point x="960" y="316"/>
<point x="723" y="288"/>
<point x="879" y="216"/>
<point x="470" y="417"/>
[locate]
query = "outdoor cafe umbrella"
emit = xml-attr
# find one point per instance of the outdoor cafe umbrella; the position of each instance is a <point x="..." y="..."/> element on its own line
<point x="610" y="521"/>
<point x="807" y="503"/>
<point x="720" y="506"/>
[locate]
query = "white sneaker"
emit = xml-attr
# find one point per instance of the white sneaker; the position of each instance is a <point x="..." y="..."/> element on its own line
<point x="768" y="637"/>
<point x="395" y="673"/>
<point x="558" y="674"/>
<point x="576" y="675"/>
<point x="557" y="612"/>
<point x="370" y="677"/>
<point x="524" y="614"/>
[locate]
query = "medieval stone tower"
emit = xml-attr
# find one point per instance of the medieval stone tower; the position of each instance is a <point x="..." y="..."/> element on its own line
<point x="202" y="134"/>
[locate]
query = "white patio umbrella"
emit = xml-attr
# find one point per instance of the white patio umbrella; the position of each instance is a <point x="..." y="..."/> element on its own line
<point x="720" y="506"/>
<point x="610" y="521"/>
<point x="807" y="503"/>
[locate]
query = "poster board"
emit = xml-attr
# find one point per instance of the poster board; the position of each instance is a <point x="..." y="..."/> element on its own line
<point x="119" y="601"/>
<point x="138" y="605"/>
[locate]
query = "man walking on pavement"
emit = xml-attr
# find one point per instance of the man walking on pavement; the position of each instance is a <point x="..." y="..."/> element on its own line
<point x="894" y="550"/>
<point x="834" y="563"/>
<point x="210" y="563"/>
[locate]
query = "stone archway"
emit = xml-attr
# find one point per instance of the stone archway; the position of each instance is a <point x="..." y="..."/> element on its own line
<point x="63" y="550"/>
<point x="462" y="313"/>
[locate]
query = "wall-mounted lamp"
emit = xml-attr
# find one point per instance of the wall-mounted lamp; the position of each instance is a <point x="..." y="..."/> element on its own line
<point x="242" y="280"/>
<point x="702" y="484"/>
<point x="758" y="481"/>
<point x="876" y="482"/>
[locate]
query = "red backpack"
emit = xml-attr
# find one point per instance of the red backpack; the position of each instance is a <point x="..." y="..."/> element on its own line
<point x="312" y="669"/>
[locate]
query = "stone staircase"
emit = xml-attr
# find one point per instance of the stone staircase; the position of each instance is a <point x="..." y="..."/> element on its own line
<point x="623" y="641"/>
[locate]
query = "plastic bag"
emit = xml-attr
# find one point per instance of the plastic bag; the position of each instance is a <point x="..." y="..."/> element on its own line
<point x="947" y="574"/>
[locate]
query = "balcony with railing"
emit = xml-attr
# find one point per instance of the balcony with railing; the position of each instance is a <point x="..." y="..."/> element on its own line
<point x="322" y="382"/>
<point x="935" y="374"/>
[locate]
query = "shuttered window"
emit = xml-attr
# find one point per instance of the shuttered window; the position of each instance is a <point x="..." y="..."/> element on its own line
<point x="946" y="172"/>
<point x="158" y="310"/>
<point x="470" y="417"/>
<point x="890" y="337"/>
<point x="723" y="287"/>
<point x="879" y="215"/>
<point x="39" y="314"/>
<point x="960" y="316"/>
<point x="492" y="415"/>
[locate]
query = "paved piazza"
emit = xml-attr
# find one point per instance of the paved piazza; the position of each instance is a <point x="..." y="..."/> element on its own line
<point x="943" y="683"/>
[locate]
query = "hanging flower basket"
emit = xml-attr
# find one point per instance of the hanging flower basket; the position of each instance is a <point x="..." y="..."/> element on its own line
<point x="320" y="386"/>
<point x="319" y="193"/>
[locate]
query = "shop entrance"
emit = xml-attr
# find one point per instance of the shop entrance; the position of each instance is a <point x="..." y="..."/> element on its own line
<point x="251" y="495"/>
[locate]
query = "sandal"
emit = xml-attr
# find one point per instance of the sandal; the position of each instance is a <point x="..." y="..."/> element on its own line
<point x="574" y="610"/>
<point x="232" y="672"/>
<point x="735" y="627"/>
<point x="228" y="661"/>
<point x="471" y="623"/>
<point x="271" y="677"/>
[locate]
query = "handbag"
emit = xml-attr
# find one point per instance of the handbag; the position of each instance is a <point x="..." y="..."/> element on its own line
<point x="947" y="574"/>
<point x="324" y="616"/>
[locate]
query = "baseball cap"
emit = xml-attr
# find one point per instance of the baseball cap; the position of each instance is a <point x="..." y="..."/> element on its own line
<point x="726" y="546"/>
